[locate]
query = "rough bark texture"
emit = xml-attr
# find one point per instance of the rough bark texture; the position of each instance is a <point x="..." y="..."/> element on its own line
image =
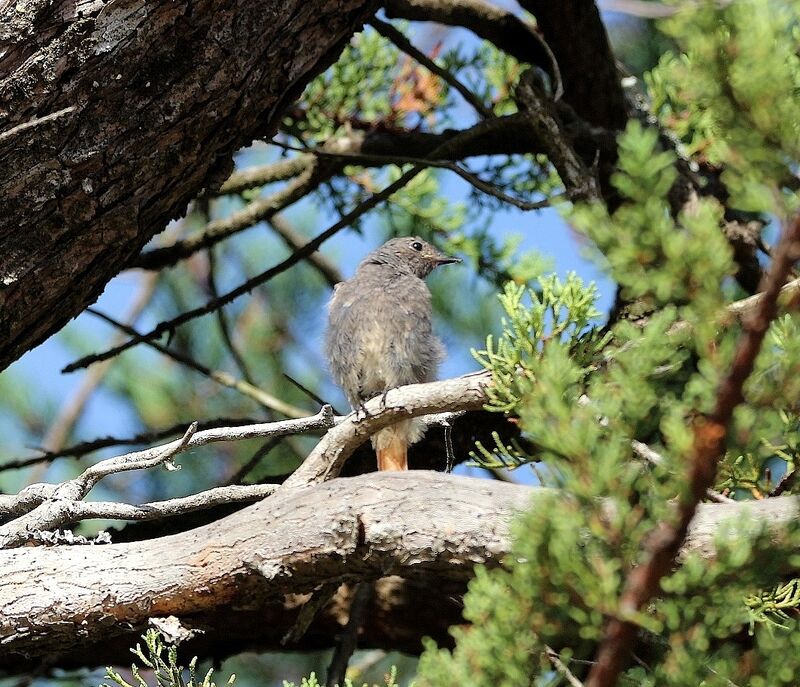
<point x="144" y="102"/>
<point x="238" y="578"/>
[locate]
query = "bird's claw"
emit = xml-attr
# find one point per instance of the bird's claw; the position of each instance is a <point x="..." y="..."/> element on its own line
<point x="361" y="412"/>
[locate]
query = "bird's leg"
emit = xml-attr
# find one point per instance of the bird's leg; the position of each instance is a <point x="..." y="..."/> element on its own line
<point x="359" y="409"/>
<point x="383" y="398"/>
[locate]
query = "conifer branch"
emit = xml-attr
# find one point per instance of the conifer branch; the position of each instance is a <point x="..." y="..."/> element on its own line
<point x="710" y="436"/>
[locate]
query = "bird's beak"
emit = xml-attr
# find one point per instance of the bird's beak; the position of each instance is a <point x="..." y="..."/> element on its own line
<point x="442" y="259"/>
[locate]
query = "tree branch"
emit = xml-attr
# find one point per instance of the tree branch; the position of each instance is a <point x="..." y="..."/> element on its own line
<point x="243" y="387"/>
<point x="238" y="578"/>
<point x="47" y="506"/>
<point x="329" y="455"/>
<point x="504" y="29"/>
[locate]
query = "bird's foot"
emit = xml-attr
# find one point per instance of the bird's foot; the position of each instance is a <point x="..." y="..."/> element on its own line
<point x="383" y="399"/>
<point x="361" y="412"/>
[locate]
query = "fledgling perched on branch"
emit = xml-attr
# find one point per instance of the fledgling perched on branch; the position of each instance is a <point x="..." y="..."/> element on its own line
<point x="380" y="334"/>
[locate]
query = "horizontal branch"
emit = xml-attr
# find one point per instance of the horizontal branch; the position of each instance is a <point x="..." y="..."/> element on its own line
<point x="239" y="577"/>
<point x="234" y="493"/>
<point x="453" y="395"/>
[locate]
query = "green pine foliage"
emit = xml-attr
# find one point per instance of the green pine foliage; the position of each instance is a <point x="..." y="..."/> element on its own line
<point x="161" y="661"/>
<point x="582" y="395"/>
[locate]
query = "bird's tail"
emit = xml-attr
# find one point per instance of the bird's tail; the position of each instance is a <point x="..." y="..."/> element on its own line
<point x="391" y="446"/>
<point x="394" y="456"/>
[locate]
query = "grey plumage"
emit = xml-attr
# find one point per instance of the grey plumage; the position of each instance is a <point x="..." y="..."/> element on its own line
<point x="380" y="332"/>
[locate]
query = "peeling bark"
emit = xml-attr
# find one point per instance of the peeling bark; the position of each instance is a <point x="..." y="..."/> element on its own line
<point x="115" y="114"/>
<point x="239" y="578"/>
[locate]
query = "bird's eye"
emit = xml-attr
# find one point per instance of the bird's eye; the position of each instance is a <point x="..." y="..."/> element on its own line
<point x="416" y="245"/>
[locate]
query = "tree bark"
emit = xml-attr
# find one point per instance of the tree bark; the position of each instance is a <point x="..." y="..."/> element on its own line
<point x="239" y="579"/>
<point x="115" y="114"/>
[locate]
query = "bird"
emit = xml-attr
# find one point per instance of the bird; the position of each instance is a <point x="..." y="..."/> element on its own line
<point x="380" y="336"/>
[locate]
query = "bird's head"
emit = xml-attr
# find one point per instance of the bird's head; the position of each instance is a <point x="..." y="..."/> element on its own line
<point x="409" y="253"/>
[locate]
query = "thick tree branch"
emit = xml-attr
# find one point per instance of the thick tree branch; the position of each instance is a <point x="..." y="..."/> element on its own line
<point x="505" y="30"/>
<point x="575" y="33"/>
<point x="236" y="578"/>
<point x="108" y="130"/>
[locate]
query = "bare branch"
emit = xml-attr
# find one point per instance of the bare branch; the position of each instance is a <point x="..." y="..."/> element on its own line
<point x="710" y="436"/>
<point x="504" y="29"/>
<point x="224" y="327"/>
<point x="428" y="527"/>
<point x="294" y="240"/>
<point x="240" y="493"/>
<point x="256" y="211"/>
<point x="470" y="177"/>
<point x="328" y="456"/>
<point x="46" y="506"/>
<point x="85" y="447"/>
<point x="254" y="177"/>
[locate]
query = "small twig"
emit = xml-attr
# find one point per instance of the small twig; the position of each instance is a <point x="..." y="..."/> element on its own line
<point x="224" y="327"/>
<point x="306" y="390"/>
<point x="402" y="43"/>
<point x="254" y="460"/>
<point x="294" y="240"/>
<point x="259" y="395"/>
<point x="33" y="123"/>
<point x="558" y="664"/>
<point x="347" y="641"/>
<point x="498" y="26"/>
<point x="468" y="176"/>
<point x="710" y="436"/>
<point x="308" y="611"/>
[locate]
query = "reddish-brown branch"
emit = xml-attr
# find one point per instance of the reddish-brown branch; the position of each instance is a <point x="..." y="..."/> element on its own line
<point x="710" y="436"/>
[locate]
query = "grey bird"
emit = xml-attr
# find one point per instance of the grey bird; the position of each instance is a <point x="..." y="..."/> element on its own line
<point x="380" y="335"/>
